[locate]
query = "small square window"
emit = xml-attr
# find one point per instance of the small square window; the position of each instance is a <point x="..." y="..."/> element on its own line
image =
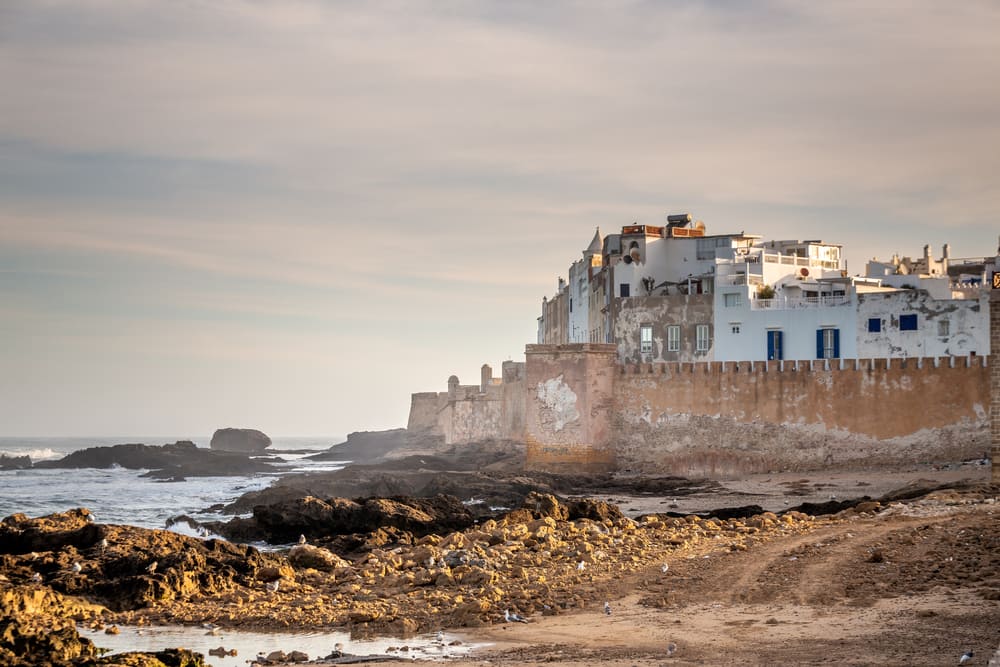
<point x="623" y="289"/>
<point x="944" y="328"/>
<point x="735" y="328"/>
<point x="908" y="322"/>
<point x="874" y="325"/>
<point x="733" y="300"/>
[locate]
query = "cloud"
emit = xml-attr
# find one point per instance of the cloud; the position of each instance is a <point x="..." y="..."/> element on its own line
<point x="425" y="171"/>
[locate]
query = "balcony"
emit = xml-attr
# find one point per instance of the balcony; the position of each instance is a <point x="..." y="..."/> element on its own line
<point x="785" y="303"/>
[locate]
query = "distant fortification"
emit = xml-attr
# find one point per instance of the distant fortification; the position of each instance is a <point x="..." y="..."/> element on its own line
<point x="576" y="408"/>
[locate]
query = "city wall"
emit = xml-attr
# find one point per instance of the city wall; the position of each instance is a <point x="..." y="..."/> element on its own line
<point x="587" y="412"/>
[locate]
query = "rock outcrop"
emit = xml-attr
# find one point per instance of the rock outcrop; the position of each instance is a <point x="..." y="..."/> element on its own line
<point x="14" y="462"/>
<point x="125" y="567"/>
<point x="329" y="518"/>
<point x="245" y="440"/>
<point x="177" y="460"/>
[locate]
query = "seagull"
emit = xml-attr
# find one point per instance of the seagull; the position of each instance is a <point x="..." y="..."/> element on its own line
<point x="302" y="539"/>
<point x="77" y="568"/>
<point x="212" y="628"/>
<point x="513" y="617"/>
<point x="966" y="657"/>
<point x="664" y="568"/>
<point x="37" y="578"/>
<point x="581" y="566"/>
<point x="103" y="544"/>
<point x="671" y="649"/>
<point x="151" y="568"/>
<point x="272" y="586"/>
<point x="607" y="608"/>
<point x="430" y="562"/>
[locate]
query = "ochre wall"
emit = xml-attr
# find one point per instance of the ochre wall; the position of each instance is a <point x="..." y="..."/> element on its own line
<point x="569" y="406"/>
<point x="879" y="398"/>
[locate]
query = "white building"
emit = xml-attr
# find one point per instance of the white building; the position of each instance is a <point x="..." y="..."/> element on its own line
<point x="674" y="293"/>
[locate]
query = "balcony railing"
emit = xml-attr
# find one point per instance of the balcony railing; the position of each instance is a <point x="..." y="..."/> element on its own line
<point x="785" y="303"/>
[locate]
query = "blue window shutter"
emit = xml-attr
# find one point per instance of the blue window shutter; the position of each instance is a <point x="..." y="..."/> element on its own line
<point x="874" y="324"/>
<point x="836" y="343"/>
<point x="819" y="343"/>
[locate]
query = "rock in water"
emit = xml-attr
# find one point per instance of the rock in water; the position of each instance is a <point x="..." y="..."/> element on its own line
<point x="247" y="440"/>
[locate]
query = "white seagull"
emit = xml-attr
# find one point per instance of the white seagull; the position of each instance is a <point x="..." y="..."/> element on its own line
<point x="272" y="586"/>
<point x="966" y="657"/>
<point x="302" y="539"/>
<point x="581" y="566"/>
<point x="513" y="617"/>
<point x="671" y="649"/>
<point x="607" y="608"/>
<point x="37" y="578"/>
<point x="103" y="544"/>
<point x="77" y="568"/>
<point x="664" y="568"/>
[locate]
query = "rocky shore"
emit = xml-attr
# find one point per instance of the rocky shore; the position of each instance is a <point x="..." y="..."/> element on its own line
<point x="548" y="558"/>
<point x="465" y="541"/>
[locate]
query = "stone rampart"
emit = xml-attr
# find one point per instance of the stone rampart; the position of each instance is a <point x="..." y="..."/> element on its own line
<point x="750" y="416"/>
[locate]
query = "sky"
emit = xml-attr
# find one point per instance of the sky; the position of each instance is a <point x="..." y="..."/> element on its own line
<point x="291" y="215"/>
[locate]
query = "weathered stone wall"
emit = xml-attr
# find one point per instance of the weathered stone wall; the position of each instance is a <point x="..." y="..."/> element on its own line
<point x="474" y="418"/>
<point x="781" y="415"/>
<point x="995" y="382"/>
<point x="424" y="409"/>
<point x="514" y="397"/>
<point x="660" y="312"/>
<point x="569" y="406"/>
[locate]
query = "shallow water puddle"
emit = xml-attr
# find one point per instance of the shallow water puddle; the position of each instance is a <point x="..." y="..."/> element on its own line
<point x="249" y="644"/>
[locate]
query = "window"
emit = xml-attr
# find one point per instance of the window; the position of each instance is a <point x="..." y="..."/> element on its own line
<point x="874" y="325"/>
<point x="944" y="328"/>
<point x="908" y="322"/>
<point x="673" y="338"/>
<point x="828" y="343"/>
<point x="735" y="299"/>
<point x="734" y="328"/>
<point x="623" y="289"/>
<point x="571" y="304"/>
<point x="646" y="338"/>
<point x="701" y="337"/>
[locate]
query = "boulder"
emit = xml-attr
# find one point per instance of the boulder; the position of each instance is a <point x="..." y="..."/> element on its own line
<point x="246" y="440"/>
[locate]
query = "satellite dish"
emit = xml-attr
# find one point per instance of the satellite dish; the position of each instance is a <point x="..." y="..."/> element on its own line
<point x="627" y="259"/>
<point x="804" y="271"/>
<point x="700" y="226"/>
<point x="634" y="254"/>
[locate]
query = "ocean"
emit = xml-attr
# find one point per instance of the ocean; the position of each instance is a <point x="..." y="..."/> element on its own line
<point x="122" y="496"/>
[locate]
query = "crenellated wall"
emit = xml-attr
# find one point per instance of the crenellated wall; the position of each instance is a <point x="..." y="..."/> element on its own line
<point x="881" y="398"/>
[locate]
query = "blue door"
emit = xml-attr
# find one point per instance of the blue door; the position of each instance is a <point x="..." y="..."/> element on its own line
<point x="775" y="348"/>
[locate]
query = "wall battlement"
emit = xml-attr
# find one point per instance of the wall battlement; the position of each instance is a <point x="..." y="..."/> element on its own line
<point x="799" y="365"/>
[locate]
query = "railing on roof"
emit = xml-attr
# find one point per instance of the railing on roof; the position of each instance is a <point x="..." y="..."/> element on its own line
<point x="791" y="303"/>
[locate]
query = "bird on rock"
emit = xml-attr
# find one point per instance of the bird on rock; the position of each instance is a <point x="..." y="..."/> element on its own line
<point x="581" y="566"/>
<point x="664" y="568"/>
<point x="272" y="586"/>
<point x="607" y="608"/>
<point x="151" y="568"/>
<point x="77" y="568"/>
<point x="302" y="539"/>
<point x="671" y="649"/>
<point x="966" y="657"/>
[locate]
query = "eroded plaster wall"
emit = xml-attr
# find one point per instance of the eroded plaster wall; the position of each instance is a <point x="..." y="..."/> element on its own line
<point x="870" y="407"/>
<point x="967" y="325"/>
<point x="660" y="312"/>
<point x="569" y="406"/>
